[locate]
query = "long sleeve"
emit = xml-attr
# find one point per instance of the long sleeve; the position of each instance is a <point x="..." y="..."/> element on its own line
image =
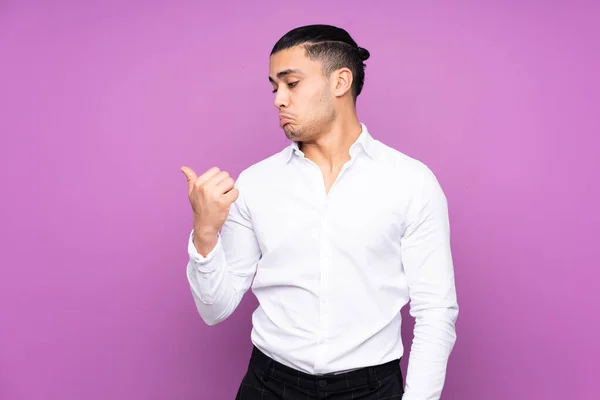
<point x="427" y="261"/>
<point x="219" y="281"/>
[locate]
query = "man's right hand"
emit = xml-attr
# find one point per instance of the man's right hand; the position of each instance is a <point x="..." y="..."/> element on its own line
<point x="211" y="196"/>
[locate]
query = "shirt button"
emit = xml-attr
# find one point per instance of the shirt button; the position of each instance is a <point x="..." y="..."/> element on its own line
<point x="322" y="383"/>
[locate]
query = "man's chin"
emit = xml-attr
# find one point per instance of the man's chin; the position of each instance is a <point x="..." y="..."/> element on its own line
<point x="290" y="133"/>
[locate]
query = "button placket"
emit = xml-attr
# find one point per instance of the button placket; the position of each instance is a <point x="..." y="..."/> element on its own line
<point x="325" y="267"/>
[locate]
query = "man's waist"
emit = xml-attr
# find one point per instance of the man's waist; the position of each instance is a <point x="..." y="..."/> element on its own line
<point x="269" y="367"/>
<point x="319" y="357"/>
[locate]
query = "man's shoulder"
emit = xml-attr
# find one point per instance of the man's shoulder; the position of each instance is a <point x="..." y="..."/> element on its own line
<point x="264" y="169"/>
<point x="397" y="161"/>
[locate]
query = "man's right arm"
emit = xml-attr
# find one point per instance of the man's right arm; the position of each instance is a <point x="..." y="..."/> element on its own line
<point x="222" y="265"/>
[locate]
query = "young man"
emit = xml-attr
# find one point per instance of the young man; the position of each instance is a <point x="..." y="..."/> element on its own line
<point x="335" y="234"/>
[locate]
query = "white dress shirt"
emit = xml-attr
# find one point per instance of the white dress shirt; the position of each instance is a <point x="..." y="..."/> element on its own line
<point x="332" y="271"/>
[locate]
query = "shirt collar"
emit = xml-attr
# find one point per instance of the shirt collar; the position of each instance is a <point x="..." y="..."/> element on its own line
<point x="364" y="141"/>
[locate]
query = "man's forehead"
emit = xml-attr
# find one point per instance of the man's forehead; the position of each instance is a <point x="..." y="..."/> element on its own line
<point x="288" y="62"/>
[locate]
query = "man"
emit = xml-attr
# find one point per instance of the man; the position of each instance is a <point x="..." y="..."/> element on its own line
<point x="335" y="234"/>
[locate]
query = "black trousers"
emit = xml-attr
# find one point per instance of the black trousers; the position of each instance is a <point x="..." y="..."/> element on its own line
<point x="267" y="379"/>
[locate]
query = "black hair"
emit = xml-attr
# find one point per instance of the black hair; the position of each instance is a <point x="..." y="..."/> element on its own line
<point x="331" y="45"/>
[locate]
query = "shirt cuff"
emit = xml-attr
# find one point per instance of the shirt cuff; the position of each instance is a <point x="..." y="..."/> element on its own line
<point x="198" y="258"/>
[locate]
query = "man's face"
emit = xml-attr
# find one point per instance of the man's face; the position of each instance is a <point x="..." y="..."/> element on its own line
<point x="303" y="94"/>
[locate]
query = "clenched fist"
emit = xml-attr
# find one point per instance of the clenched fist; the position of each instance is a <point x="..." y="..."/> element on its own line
<point x="211" y="196"/>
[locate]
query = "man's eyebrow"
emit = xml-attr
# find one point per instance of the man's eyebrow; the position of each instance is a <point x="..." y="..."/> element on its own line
<point x="285" y="72"/>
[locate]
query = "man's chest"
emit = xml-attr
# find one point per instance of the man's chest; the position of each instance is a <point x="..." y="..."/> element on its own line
<point x="365" y="211"/>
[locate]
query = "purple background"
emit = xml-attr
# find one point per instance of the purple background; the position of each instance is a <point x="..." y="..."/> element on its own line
<point x="101" y="105"/>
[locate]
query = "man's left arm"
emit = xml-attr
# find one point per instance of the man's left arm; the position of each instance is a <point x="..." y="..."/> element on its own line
<point x="427" y="262"/>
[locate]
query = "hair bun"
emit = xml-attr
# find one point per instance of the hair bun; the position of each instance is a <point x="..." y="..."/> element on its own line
<point x="364" y="53"/>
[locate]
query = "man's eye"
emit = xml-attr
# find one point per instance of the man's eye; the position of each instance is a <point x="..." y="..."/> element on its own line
<point x="290" y="85"/>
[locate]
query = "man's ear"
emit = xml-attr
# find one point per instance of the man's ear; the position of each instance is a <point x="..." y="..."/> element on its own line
<point x="341" y="81"/>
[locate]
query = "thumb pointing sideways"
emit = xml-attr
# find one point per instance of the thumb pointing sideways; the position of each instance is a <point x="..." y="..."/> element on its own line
<point x="190" y="175"/>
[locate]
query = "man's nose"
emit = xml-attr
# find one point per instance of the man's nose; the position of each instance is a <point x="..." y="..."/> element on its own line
<point x="281" y="99"/>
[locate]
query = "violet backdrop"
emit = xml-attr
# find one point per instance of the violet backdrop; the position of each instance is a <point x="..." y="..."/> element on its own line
<point x="101" y="103"/>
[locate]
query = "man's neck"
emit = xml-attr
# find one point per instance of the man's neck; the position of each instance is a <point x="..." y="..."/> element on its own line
<point x="330" y="150"/>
